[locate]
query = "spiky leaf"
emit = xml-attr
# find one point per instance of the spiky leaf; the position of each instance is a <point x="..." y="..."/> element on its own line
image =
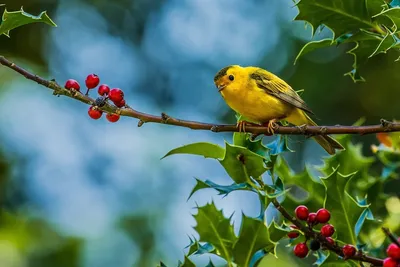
<point x="15" y="19"/>
<point x="222" y="189"/>
<point x="207" y="150"/>
<point x="240" y="163"/>
<point x="312" y="46"/>
<point x="214" y="228"/>
<point x="345" y="211"/>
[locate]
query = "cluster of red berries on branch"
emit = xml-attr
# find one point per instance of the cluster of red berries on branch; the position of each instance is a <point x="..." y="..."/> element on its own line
<point x="115" y="95"/>
<point x="393" y="253"/>
<point x="322" y="216"/>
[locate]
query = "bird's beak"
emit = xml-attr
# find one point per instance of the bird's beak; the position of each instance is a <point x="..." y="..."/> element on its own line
<point x="221" y="87"/>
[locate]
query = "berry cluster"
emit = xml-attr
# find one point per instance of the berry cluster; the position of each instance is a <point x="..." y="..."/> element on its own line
<point x="116" y="95"/>
<point x="322" y="216"/>
<point x="393" y="253"/>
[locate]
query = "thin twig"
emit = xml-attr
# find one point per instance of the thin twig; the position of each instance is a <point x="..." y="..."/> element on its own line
<point x="391" y="236"/>
<point x="384" y="126"/>
<point x="321" y="239"/>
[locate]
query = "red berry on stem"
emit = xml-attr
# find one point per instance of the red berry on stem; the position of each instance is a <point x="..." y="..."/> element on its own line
<point x="112" y="117"/>
<point x="95" y="113"/>
<point x="103" y="89"/>
<point x="330" y="240"/>
<point x="348" y="251"/>
<point x="301" y="250"/>
<point x="389" y="262"/>
<point x="327" y="230"/>
<point x="92" y="80"/>
<point x="72" y="84"/>
<point x="293" y="234"/>
<point x="301" y="212"/>
<point x="393" y="251"/>
<point x="116" y="95"/>
<point x="312" y="218"/>
<point x="323" y="216"/>
<point x="120" y="104"/>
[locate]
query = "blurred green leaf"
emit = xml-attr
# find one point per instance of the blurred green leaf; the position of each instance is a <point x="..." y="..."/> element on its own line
<point x="313" y="45"/>
<point x="210" y="264"/>
<point x="256" y="146"/>
<point x="313" y="195"/>
<point x="222" y="189"/>
<point x="214" y="228"/>
<point x="393" y="14"/>
<point x="240" y="163"/>
<point x="14" y="19"/>
<point x="253" y="236"/>
<point x="345" y="211"/>
<point x="341" y="16"/>
<point x="207" y="150"/>
<point x="395" y="3"/>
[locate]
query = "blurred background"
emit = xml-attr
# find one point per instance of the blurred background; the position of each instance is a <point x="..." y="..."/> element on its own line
<point x="78" y="192"/>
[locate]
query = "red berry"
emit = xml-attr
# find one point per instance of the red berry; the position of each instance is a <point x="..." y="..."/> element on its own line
<point x="301" y="212"/>
<point x="293" y="234"/>
<point x="72" y="84"/>
<point x="393" y="251"/>
<point x="389" y="262"/>
<point x="301" y="250"/>
<point x="116" y="95"/>
<point x="120" y="104"/>
<point x="312" y="218"/>
<point x="348" y="251"/>
<point x="112" y="117"/>
<point x="92" y="80"/>
<point x="103" y="89"/>
<point x="323" y="216"/>
<point x="330" y="240"/>
<point x="327" y="230"/>
<point x="95" y="113"/>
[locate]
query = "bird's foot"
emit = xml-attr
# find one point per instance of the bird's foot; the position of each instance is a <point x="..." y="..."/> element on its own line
<point x="271" y="126"/>
<point x="241" y="125"/>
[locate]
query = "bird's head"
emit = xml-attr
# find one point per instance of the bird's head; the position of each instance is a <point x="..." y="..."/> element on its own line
<point x="227" y="76"/>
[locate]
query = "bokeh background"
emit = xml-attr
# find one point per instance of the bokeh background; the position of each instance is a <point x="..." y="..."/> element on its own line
<point x="77" y="192"/>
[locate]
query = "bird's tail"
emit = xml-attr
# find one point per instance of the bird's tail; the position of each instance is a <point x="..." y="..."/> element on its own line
<point x="327" y="142"/>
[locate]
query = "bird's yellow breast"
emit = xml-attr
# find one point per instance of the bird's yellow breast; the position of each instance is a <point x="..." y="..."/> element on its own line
<point x="254" y="103"/>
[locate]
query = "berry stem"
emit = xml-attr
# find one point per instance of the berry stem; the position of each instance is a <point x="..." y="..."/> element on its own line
<point x="391" y="236"/>
<point x="323" y="241"/>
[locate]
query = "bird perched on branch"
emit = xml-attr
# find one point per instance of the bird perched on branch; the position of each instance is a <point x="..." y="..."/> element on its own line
<point x="263" y="98"/>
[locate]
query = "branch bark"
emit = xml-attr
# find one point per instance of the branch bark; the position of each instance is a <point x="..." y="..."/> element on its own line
<point x="384" y="126"/>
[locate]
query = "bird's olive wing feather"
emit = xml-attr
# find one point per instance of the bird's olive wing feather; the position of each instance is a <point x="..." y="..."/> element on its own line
<point x="278" y="88"/>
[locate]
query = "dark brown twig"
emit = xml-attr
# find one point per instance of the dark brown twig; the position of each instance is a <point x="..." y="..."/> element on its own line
<point x="391" y="236"/>
<point x="384" y="126"/>
<point x="321" y="239"/>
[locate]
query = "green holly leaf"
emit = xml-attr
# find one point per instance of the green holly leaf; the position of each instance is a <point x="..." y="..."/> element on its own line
<point x="222" y="189"/>
<point x="253" y="236"/>
<point x="187" y="263"/>
<point x="14" y="19"/>
<point x="341" y="16"/>
<point x="367" y="45"/>
<point x="215" y="229"/>
<point x="305" y="189"/>
<point x="345" y="211"/>
<point x="393" y="14"/>
<point x="314" y="45"/>
<point x="207" y="150"/>
<point x="210" y="264"/>
<point x="330" y="259"/>
<point x="256" y="146"/>
<point x="240" y="163"/>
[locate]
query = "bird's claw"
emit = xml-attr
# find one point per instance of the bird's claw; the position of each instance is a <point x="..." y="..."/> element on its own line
<point x="272" y="126"/>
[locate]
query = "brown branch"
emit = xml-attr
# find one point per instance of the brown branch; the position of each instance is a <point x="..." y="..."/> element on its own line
<point x="322" y="240"/>
<point x="391" y="236"/>
<point x="384" y="126"/>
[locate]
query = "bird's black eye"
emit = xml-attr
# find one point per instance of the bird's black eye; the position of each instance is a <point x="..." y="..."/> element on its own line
<point x="231" y="77"/>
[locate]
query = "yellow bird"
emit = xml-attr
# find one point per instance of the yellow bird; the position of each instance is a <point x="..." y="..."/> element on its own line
<point x="263" y="98"/>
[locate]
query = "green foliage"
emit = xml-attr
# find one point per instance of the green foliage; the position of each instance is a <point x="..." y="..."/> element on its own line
<point x="15" y="19"/>
<point x="371" y="25"/>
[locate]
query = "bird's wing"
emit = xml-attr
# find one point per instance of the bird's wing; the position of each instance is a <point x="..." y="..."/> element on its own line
<point x="278" y="88"/>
